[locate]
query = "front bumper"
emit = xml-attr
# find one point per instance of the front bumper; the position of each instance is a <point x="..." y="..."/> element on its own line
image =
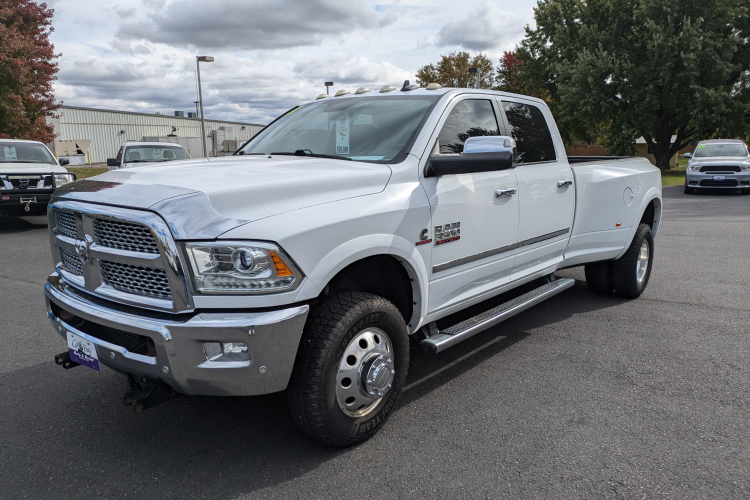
<point x="178" y="357"/>
<point x="15" y="202"/>
<point x="740" y="180"/>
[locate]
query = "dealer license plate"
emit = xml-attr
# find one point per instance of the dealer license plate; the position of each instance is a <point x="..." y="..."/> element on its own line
<point x="83" y="351"/>
<point x="720" y="177"/>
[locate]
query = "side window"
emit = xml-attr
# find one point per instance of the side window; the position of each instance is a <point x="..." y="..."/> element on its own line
<point x="469" y="118"/>
<point x="119" y="154"/>
<point x="529" y="129"/>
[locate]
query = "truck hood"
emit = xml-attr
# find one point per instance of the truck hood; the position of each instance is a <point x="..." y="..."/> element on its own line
<point x="30" y="168"/>
<point x="202" y="198"/>
<point x="719" y="160"/>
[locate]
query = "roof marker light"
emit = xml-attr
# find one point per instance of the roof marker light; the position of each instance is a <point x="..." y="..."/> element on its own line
<point x="434" y="86"/>
<point x="342" y="92"/>
<point x="362" y="90"/>
<point x="321" y="96"/>
<point x="387" y="88"/>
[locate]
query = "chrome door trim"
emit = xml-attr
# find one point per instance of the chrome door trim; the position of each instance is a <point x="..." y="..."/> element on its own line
<point x="471" y="258"/>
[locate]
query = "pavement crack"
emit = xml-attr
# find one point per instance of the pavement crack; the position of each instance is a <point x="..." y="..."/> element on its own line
<point x="3" y="276"/>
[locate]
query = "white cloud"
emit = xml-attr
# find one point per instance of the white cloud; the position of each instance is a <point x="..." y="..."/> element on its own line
<point x="483" y="28"/>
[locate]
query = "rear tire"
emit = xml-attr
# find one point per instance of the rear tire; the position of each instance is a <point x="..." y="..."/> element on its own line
<point x="632" y="271"/>
<point x="350" y="368"/>
<point x="599" y="277"/>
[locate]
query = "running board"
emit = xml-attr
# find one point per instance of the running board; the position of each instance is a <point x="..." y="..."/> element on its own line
<point x="441" y="341"/>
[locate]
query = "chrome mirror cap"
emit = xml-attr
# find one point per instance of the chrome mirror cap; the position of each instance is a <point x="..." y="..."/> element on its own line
<point x="490" y="144"/>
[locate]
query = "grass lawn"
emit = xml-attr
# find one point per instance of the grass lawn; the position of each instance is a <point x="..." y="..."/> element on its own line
<point x="83" y="173"/>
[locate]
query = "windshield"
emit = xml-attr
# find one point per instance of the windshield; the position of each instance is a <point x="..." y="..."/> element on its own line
<point x="25" y="152"/>
<point x="726" y="149"/>
<point x="377" y="129"/>
<point x="143" y="154"/>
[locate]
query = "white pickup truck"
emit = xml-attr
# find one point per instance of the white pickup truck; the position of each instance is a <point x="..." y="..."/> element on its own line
<point x="307" y="260"/>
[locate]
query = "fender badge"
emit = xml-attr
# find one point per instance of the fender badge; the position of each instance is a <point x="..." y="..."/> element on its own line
<point x="447" y="233"/>
<point x="424" y="237"/>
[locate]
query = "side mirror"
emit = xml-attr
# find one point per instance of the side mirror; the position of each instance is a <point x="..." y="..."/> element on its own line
<point x="481" y="154"/>
<point x="112" y="162"/>
<point x="64" y="161"/>
<point x="687" y="155"/>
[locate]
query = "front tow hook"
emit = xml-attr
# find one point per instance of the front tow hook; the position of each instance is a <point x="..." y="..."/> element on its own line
<point x="145" y="392"/>
<point x="63" y="359"/>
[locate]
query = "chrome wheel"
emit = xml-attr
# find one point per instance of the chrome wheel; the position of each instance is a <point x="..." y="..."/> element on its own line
<point x="366" y="372"/>
<point x="642" y="263"/>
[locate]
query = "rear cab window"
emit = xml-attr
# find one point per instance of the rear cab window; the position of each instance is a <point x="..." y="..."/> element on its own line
<point x="530" y="131"/>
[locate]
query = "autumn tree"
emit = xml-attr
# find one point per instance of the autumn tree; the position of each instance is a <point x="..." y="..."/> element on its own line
<point x="453" y="71"/>
<point x="621" y="69"/>
<point x="27" y="70"/>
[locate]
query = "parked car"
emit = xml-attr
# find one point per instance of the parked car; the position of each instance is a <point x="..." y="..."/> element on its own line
<point x="304" y="262"/>
<point x="719" y="163"/>
<point x="136" y="154"/>
<point x="29" y="174"/>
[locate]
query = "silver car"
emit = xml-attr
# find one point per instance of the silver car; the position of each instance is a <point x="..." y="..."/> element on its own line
<point x="719" y="163"/>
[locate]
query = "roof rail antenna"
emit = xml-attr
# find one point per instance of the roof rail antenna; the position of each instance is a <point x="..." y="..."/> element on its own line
<point x="407" y="86"/>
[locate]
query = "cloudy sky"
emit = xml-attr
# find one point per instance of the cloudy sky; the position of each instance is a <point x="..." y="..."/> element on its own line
<point x="139" y="55"/>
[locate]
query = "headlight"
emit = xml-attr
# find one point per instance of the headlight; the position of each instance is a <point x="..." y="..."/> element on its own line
<point x="744" y="167"/>
<point x="62" y="179"/>
<point x="694" y="168"/>
<point x="241" y="267"/>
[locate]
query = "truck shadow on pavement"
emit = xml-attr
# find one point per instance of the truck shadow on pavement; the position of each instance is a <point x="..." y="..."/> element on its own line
<point x="10" y="225"/>
<point x="66" y="430"/>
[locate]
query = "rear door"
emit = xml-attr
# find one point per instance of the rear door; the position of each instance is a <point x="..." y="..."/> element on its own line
<point x="546" y="187"/>
<point x="473" y="231"/>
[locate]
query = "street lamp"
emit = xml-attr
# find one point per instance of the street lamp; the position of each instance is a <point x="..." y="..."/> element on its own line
<point x="476" y="80"/>
<point x="198" y="61"/>
<point x="328" y="84"/>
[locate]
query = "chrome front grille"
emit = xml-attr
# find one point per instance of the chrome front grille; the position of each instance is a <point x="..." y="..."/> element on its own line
<point x="119" y="254"/>
<point x="71" y="261"/>
<point x="137" y="280"/>
<point x="124" y="236"/>
<point x="66" y="224"/>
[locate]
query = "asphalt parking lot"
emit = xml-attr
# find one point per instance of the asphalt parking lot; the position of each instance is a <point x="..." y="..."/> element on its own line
<point x="584" y="396"/>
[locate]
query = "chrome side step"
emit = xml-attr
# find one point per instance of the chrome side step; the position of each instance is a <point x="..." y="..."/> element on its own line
<point x="440" y="341"/>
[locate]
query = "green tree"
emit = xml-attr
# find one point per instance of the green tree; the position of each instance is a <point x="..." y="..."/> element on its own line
<point x="27" y="70"/>
<point x="621" y="69"/>
<point x="453" y="71"/>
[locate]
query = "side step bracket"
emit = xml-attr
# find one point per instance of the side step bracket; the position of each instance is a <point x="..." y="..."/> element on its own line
<point x="461" y="331"/>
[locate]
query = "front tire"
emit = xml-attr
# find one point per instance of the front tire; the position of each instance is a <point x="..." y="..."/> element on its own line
<point x="632" y="271"/>
<point x="688" y="190"/>
<point x="350" y="368"/>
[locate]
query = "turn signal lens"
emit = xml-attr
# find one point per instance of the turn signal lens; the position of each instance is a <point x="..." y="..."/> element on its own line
<point x="281" y="269"/>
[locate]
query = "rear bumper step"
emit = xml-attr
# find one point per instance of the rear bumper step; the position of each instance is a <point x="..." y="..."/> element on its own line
<point x="453" y="335"/>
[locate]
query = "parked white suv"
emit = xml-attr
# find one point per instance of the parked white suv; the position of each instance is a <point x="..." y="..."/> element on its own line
<point x="719" y="164"/>
<point x="305" y="262"/>
<point x="29" y="173"/>
<point x="138" y="154"/>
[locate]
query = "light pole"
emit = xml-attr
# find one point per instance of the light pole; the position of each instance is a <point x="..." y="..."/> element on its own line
<point x="328" y="84"/>
<point x="198" y="60"/>
<point x="196" y="108"/>
<point x="471" y="70"/>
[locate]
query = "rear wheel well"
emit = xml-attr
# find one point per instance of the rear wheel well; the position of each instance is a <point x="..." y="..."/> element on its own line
<point x="380" y="275"/>
<point x="649" y="215"/>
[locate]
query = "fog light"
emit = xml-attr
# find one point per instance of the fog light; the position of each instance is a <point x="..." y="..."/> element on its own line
<point x="225" y="355"/>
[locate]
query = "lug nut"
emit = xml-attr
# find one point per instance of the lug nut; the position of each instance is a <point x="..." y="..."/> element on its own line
<point x="165" y="369"/>
<point x="112" y="355"/>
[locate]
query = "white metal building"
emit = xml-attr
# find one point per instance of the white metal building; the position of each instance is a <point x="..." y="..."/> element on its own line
<point x="108" y="130"/>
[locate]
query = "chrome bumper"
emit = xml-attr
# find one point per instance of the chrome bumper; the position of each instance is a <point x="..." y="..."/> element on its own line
<point x="272" y="339"/>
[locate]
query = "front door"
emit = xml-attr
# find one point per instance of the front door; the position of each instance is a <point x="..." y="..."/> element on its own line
<point x="474" y="231"/>
<point x="546" y="189"/>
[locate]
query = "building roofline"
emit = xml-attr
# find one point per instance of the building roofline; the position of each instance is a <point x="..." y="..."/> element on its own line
<point x="157" y="116"/>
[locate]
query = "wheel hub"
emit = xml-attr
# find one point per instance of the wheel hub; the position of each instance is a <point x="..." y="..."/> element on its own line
<point x="366" y="372"/>
<point x="379" y="376"/>
<point x="642" y="263"/>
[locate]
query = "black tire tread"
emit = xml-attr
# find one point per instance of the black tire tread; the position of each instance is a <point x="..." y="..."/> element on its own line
<point x="305" y="394"/>
<point x="622" y="268"/>
<point x="599" y="277"/>
<point x="688" y="190"/>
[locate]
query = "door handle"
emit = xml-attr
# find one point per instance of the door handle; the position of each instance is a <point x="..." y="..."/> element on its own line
<point x="501" y="193"/>
<point x="564" y="183"/>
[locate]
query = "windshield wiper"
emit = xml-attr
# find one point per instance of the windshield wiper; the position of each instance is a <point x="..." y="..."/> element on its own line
<point x="22" y="161"/>
<point x="307" y="152"/>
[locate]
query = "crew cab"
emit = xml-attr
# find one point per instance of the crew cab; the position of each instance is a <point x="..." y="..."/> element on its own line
<point x="306" y="261"/>
<point x="139" y="154"/>
<point x="718" y="163"/>
<point x="29" y="174"/>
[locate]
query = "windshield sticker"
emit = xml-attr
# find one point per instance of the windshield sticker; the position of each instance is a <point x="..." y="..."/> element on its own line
<point x="342" y="136"/>
<point x="700" y="146"/>
<point x="10" y="153"/>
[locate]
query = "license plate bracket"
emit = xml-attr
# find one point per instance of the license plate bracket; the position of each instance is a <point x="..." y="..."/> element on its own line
<point x="83" y="351"/>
